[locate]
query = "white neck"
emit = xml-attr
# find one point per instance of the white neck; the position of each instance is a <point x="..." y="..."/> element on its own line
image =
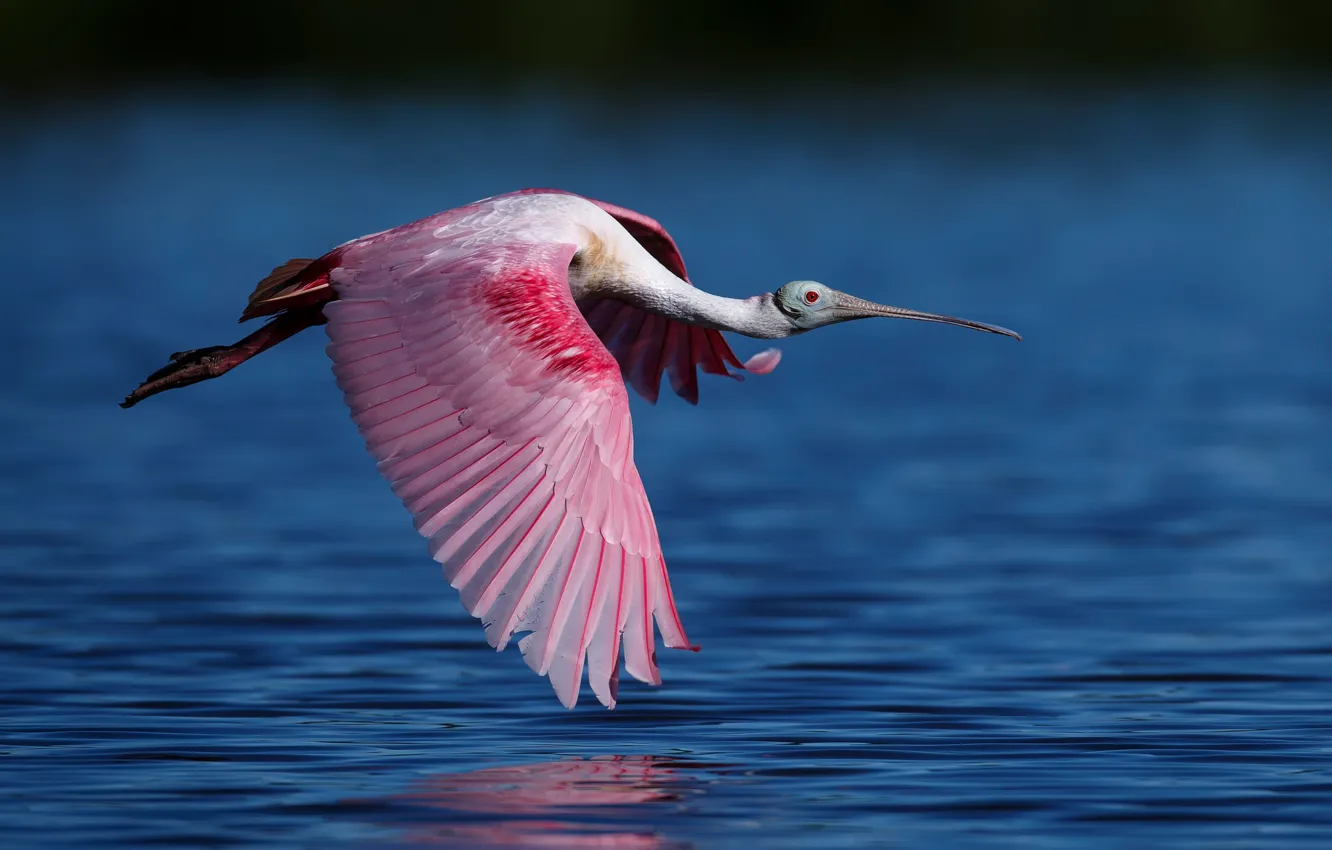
<point x="652" y="287"/>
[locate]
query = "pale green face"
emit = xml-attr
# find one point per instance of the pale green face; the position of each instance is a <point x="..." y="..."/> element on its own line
<point x="809" y="304"/>
<point x="804" y="302"/>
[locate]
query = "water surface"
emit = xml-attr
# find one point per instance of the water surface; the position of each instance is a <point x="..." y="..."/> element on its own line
<point x="952" y="590"/>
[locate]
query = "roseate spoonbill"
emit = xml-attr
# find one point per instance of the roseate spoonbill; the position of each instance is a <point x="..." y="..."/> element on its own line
<point x="484" y="353"/>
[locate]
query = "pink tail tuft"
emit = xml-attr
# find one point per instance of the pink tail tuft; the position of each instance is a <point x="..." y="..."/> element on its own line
<point x="763" y="362"/>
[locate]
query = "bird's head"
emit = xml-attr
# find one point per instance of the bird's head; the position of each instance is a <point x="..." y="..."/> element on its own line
<point x="807" y="304"/>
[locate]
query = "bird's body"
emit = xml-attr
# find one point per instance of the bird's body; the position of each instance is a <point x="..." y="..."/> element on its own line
<point x="484" y="353"/>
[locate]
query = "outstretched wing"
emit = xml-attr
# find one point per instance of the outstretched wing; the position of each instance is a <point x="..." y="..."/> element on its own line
<point x="502" y="423"/>
<point x="646" y="345"/>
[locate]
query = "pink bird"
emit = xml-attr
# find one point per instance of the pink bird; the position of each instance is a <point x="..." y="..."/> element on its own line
<point x="484" y="353"/>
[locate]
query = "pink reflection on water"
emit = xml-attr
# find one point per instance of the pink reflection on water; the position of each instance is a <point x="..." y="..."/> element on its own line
<point x="567" y="803"/>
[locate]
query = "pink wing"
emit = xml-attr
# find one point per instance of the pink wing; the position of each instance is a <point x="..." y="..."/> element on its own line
<point x="502" y="423"/>
<point x="644" y="344"/>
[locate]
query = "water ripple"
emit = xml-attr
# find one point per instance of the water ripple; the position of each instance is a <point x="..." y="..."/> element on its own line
<point x="1068" y="593"/>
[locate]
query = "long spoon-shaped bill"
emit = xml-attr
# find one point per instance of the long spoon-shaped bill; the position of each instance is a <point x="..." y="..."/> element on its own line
<point x="851" y="307"/>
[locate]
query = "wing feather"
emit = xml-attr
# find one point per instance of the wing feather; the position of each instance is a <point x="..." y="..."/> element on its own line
<point x="517" y="562"/>
<point x="639" y="655"/>
<point x="503" y="424"/>
<point x="528" y="612"/>
<point x="601" y="634"/>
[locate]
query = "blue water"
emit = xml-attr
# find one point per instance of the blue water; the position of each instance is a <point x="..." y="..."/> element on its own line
<point x="952" y="590"/>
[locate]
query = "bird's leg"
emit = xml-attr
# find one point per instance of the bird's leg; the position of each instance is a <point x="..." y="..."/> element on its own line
<point x="200" y="364"/>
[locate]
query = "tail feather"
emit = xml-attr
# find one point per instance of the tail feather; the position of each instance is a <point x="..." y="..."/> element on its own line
<point x="277" y="280"/>
<point x="294" y="285"/>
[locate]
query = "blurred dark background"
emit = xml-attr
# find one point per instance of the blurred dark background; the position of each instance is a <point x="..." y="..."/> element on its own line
<point x="97" y="43"/>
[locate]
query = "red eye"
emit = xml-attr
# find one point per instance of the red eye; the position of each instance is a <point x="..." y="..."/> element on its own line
<point x="811" y="297"/>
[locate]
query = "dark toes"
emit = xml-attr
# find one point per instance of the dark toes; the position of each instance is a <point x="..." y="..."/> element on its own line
<point x="197" y="353"/>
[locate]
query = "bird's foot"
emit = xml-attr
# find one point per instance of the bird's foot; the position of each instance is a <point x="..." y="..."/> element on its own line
<point x="200" y="364"/>
<point x="185" y="368"/>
